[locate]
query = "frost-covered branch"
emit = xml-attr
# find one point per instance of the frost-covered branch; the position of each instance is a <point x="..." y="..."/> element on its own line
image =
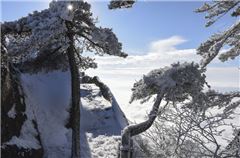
<point x="216" y="9"/>
<point x="211" y="48"/>
<point x="182" y="131"/>
<point x="217" y="42"/>
<point x="16" y="27"/>
<point x="115" y="4"/>
<point x="178" y="82"/>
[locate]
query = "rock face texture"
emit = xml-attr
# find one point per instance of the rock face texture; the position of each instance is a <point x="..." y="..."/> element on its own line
<point x="36" y="112"/>
<point x="13" y="107"/>
<point x="13" y="151"/>
<point x="13" y="118"/>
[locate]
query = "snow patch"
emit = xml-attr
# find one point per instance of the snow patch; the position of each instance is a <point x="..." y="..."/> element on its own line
<point x="12" y="113"/>
<point x="27" y="138"/>
<point x="48" y="101"/>
<point x="104" y="147"/>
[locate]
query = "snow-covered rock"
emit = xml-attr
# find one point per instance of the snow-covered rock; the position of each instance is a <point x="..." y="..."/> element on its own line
<point x="20" y="137"/>
<point x="47" y="97"/>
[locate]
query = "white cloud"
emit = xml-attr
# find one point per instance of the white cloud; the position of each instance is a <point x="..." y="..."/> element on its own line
<point x="120" y="74"/>
<point x="166" y="44"/>
<point x="223" y="77"/>
<point x="161" y="53"/>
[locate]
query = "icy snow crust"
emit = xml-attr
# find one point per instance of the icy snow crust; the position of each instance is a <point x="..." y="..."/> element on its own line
<point x="48" y="101"/>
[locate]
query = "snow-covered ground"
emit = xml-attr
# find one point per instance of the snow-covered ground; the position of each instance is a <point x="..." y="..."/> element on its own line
<point x="100" y="128"/>
<point x="48" y="102"/>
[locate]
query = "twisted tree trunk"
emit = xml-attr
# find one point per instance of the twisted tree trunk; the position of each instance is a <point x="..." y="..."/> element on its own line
<point x="75" y="86"/>
<point x="133" y="130"/>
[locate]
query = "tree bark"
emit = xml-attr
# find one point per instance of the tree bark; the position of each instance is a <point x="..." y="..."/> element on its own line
<point x="132" y="130"/>
<point x="75" y="109"/>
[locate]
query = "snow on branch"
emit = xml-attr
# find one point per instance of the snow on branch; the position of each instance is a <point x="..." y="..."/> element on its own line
<point x="229" y="38"/>
<point x="40" y="34"/>
<point x="203" y="132"/>
<point x="180" y="130"/>
<point x="217" y="9"/>
<point x="115" y="4"/>
<point x="47" y="31"/>
<point x="177" y="82"/>
<point x="211" y="48"/>
<point x="107" y="40"/>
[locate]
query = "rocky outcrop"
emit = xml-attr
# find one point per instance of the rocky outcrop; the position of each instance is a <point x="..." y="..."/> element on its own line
<point x="13" y="117"/>
<point x="13" y="151"/>
<point x="103" y="88"/>
<point x="107" y="94"/>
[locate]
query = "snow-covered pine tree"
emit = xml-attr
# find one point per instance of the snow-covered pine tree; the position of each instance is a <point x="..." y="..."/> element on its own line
<point x="230" y="37"/>
<point x="176" y="83"/>
<point x="189" y="109"/>
<point x="57" y="33"/>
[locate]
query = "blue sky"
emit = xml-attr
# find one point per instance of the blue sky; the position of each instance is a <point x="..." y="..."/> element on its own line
<point x="149" y="21"/>
<point x="154" y="34"/>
